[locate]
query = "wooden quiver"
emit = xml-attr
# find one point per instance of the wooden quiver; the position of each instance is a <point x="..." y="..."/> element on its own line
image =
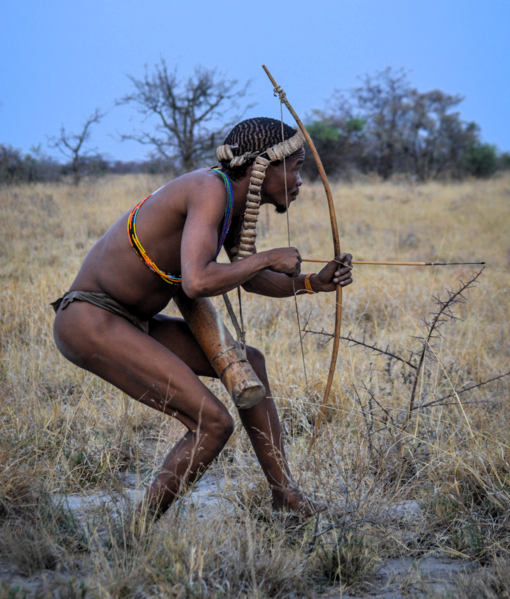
<point x="222" y="351"/>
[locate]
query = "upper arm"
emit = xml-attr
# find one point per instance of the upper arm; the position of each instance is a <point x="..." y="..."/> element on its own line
<point x="205" y="209"/>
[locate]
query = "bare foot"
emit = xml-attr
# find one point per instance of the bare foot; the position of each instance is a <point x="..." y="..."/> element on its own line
<point x="292" y="499"/>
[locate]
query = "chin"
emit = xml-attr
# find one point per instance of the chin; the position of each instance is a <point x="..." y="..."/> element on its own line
<point x="280" y="209"/>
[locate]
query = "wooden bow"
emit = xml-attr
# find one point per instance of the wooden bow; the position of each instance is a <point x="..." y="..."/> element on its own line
<point x="336" y="244"/>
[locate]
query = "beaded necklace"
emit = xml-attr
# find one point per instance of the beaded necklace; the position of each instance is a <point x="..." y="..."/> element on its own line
<point x="139" y="249"/>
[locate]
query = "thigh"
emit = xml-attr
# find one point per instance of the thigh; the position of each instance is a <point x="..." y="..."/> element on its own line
<point x="137" y="363"/>
<point x="175" y="335"/>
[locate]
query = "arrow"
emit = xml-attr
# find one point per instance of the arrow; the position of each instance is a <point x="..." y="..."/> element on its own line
<point x="398" y="263"/>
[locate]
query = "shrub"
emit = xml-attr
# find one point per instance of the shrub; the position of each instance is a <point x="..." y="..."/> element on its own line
<point x="15" y="168"/>
<point x="481" y="159"/>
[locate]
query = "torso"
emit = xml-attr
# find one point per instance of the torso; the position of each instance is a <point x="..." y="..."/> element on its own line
<point x="113" y="267"/>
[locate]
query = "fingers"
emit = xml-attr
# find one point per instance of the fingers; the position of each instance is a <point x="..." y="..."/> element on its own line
<point x="343" y="280"/>
<point x="294" y="268"/>
<point x="297" y="268"/>
<point x="286" y="261"/>
<point x="297" y="271"/>
<point x="343" y="275"/>
<point x="344" y="259"/>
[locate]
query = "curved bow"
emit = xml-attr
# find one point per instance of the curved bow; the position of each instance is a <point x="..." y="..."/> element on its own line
<point x="336" y="244"/>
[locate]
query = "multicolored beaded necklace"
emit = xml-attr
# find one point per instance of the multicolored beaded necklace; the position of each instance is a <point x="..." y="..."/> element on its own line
<point x="137" y="246"/>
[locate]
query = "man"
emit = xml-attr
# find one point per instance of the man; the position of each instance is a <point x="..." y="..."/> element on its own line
<point x="110" y="323"/>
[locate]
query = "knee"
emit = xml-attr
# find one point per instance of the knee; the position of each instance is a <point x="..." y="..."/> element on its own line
<point x="256" y="359"/>
<point x="220" y="428"/>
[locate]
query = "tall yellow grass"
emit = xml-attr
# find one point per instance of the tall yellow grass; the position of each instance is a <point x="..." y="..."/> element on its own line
<point x="65" y="431"/>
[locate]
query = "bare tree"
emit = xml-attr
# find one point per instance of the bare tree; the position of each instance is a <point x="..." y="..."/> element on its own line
<point x="191" y="115"/>
<point x="436" y="140"/>
<point x="384" y="101"/>
<point x="71" y="145"/>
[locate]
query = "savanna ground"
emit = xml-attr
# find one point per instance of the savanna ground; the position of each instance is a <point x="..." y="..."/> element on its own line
<point x="65" y="432"/>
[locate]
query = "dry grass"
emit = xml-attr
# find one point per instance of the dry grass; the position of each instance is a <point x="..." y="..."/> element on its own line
<point x="65" y="431"/>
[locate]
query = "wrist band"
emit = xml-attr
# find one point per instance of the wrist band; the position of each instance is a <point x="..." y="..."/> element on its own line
<point x="308" y="283"/>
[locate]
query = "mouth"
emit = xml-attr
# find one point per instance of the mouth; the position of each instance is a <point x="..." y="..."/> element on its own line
<point x="291" y="197"/>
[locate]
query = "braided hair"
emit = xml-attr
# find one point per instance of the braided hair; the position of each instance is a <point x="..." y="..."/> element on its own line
<point x="253" y="135"/>
<point x="256" y="142"/>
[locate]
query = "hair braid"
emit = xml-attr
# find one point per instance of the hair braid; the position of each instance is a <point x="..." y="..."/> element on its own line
<point x="256" y="142"/>
<point x="253" y="135"/>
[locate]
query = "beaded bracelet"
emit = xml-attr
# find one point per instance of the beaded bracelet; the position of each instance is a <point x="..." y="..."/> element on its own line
<point x="308" y="283"/>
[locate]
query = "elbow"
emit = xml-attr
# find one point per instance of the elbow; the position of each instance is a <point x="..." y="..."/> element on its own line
<point x="192" y="289"/>
<point x="248" y="287"/>
<point x="196" y="287"/>
<point x="190" y="293"/>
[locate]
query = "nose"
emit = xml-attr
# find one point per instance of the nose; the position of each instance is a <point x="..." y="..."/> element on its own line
<point x="299" y="181"/>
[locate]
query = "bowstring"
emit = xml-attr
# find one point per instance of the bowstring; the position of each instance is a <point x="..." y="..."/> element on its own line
<point x="298" y="319"/>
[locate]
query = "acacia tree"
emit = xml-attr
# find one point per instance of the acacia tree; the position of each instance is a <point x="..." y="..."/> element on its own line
<point x="411" y="131"/>
<point x="386" y="126"/>
<point x="190" y="115"/>
<point x="383" y="102"/>
<point x="71" y="145"/>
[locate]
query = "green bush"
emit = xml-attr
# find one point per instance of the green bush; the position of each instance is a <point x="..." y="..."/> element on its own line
<point x="481" y="159"/>
<point x="323" y="131"/>
<point x="504" y="161"/>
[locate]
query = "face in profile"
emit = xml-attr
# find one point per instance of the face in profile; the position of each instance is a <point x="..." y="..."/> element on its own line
<point x="274" y="187"/>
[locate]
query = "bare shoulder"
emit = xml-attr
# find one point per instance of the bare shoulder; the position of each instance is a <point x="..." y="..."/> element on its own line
<point x="199" y="181"/>
<point x="201" y="188"/>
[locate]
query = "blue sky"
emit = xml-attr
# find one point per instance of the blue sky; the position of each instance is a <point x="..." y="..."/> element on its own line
<point x="60" y="60"/>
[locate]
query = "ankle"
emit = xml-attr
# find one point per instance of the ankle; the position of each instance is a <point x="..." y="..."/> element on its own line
<point x="289" y="497"/>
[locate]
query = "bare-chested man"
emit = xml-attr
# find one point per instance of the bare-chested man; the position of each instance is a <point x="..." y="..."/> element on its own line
<point x="110" y="323"/>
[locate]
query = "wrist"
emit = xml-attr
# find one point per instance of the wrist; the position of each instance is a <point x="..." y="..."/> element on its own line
<point x="316" y="283"/>
<point x="266" y="261"/>
<point x="309" y="286"/>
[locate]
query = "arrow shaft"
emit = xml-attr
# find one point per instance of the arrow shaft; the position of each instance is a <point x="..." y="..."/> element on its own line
<point x="397" y="263"/>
